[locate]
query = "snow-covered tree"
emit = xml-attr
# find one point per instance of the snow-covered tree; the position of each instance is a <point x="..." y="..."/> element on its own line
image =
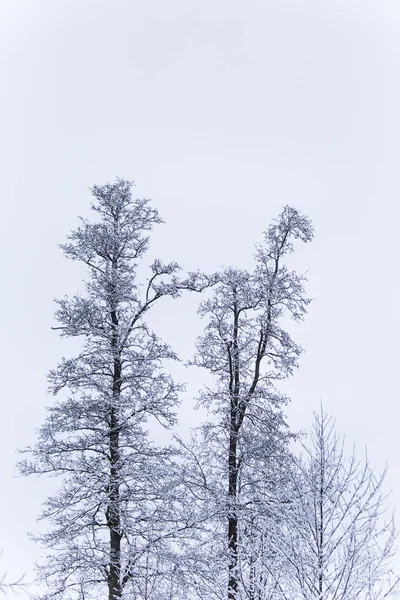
<point x="16" y="585"/>
<point x="10" y="586"/>
<point x="114" y="509"/>
<point x="337" y="542"/>
<point x="247" y="350"/>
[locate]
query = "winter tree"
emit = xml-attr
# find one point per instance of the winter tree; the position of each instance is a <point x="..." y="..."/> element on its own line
<point x="11" y="586"/>
<point x="337" y="543"/>
<point x="114" y="506"/>
<point x="247" y="351"/>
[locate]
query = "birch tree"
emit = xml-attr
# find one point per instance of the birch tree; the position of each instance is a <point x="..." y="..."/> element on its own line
<point x="114" y="507"/>
<point x="247" y="350"/>
<point x="338" y="543"/>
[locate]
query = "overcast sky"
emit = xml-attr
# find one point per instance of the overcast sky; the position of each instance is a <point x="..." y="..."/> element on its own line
<point x="222" y="111"/>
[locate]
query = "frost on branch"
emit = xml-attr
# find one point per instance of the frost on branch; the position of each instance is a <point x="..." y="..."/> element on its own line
<point x="239" y="459"/>
<point x="337" y="541"/>
<point x="112" y="520"/>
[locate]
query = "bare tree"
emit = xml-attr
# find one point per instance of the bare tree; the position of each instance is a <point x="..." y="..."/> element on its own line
<point x="247" y="351"/>
<point x="114" y="505"/>
<point x="11" y="586"/>
<point x="337" y="543"/>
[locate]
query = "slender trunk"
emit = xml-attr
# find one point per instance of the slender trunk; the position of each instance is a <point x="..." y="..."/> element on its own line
<point x="252" y="582"/>
<point x="113" y="515"/>
<point x="233" y="464"/>
<point x="320" y="553"/>
<point x="321" y="532"/>
<point x="233" y="519"/>
<point x="114" y="508"/>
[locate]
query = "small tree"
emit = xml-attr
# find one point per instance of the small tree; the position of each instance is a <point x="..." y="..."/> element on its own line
<point x="247" y="351"/>
<point x="115" y="502"/>
<point x="11" y="586"/>
<point x="337" y="544"/>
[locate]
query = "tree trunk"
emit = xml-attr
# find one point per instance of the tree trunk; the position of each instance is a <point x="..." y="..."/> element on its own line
<point x="233" y="462"/>
<point x="321" y="529"/>
<point x="113" y="514"/>
<point x="113" y="509"/>
<point x="233" y="519"/>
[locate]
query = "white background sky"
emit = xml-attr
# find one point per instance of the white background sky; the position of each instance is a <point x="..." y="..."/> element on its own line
<point x="222" y="111"/>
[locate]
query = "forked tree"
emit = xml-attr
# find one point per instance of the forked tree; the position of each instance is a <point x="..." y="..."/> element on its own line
<point x="114" y="505"/>
<point x="247" y="350"/>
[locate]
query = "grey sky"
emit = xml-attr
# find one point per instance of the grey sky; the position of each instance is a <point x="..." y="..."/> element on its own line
<point x="221" y="111"/>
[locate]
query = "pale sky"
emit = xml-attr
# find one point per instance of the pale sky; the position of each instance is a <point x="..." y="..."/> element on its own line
<point x="222" y="111"/>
